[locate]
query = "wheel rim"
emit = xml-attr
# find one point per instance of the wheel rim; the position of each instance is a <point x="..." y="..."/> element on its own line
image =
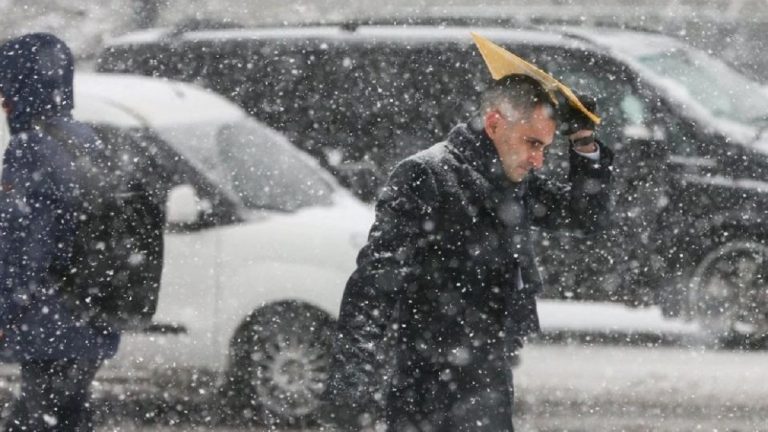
<point x="289" y="368"/>
<point x="728" y="294"/>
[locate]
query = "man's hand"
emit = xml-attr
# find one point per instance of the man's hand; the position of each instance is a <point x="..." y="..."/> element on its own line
<point x="573" y="120"/>
<point x="574" y="124"/>
<point x="583" y="141"/>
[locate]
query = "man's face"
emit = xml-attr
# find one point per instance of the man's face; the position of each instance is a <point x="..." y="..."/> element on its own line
<point x="521" y="142"/>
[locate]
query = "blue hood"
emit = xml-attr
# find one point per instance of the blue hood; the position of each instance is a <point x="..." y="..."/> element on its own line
<point x="36" y="72"/>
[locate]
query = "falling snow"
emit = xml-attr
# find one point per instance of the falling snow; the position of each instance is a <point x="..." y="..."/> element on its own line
<point x="234" y="165"/>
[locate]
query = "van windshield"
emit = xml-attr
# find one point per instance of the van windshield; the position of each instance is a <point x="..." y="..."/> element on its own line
<point x="266" y="171"/>
<point x="254" y="162"/>
<point x="724" y="92"/>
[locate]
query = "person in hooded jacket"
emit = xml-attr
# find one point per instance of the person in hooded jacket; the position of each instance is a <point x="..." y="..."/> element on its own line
<point x="44" y="195"/>
<point x="443" y="293"/>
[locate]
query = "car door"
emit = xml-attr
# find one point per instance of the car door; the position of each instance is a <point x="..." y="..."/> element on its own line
<point x="186" y="308"/>
<point x="183" y="325"/>
<point x="296" y="242"/>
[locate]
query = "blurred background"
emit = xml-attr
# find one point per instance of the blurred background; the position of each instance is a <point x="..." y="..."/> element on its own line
<point x="733" y="30"/>
<point x="597" y="367"/>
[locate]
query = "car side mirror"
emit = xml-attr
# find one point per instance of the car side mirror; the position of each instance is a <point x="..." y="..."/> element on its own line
<point x="185" y="210"/>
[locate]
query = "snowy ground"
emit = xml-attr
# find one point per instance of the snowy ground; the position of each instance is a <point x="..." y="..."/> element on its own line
<point x="578" y="388"/>
<point x="609" y="318"/>
<point x="560" y="386"/>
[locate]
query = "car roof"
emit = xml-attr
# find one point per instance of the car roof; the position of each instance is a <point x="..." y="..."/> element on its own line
<point x="137" y="101"/>
<point x="379" y="33"/>
<point x="630" y="43"/>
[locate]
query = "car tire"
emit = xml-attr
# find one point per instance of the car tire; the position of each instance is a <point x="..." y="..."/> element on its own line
<point x="728" y="294"/>
<point x="279" y="363"/>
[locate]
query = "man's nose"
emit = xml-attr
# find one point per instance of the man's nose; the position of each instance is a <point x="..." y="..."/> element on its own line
<point x="536" y="159"/>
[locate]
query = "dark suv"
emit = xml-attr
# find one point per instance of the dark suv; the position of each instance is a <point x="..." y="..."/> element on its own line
<point x="691" y="199"/>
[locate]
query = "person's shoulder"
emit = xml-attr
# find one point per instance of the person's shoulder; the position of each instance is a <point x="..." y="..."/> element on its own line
<point x="415" y="173"/>
<point x="436" y="153"/>
<point x="426" y="174"/>
<point x="433" y="159"/>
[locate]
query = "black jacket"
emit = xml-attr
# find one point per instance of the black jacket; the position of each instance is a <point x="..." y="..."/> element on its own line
<point x="444" y="290"/>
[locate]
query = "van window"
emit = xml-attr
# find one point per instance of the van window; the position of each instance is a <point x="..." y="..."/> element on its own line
<point x="255" y="163"/>
<point x="266" y="171"/>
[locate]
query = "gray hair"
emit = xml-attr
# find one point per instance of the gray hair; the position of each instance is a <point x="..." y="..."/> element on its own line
<point x="516" y="96"/>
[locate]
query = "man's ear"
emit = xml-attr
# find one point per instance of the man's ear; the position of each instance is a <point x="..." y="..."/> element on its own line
<point x="6" y="106"/>
<point x="491" y="121"/>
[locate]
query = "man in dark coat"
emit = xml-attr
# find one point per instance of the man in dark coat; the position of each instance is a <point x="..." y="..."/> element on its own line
<point x="444" y="290"/>
<point x="44" y="197"/>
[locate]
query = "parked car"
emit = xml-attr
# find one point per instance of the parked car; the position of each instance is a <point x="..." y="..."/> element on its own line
<point x="690" y="202"/>
<point x="259" y="243"/>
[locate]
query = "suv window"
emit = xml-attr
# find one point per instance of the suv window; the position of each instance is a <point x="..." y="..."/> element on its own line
<point x="387" y="101"/>
<point x="619" y="104"/>
<point x="712" y="84"/>
<point x="380" y="101"/>
<point x="681" y="138"/>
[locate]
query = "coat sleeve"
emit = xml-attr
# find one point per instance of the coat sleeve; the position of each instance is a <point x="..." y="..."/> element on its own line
<point x="582" y="204"/>
<point x="17" y="208"/>
<point x="385" y="267"/>
<point x="37" y="222"/>
<point x="7" y="306"/>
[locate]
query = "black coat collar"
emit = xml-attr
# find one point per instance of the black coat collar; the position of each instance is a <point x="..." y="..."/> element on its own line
<point x="485" y="178"/>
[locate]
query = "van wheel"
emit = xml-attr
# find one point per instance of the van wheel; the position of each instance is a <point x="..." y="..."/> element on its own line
<point x="280" y="360"/>
<point x="728" y="293"/>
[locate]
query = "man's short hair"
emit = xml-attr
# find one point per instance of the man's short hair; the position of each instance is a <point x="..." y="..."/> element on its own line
<point x="516" y="96"/>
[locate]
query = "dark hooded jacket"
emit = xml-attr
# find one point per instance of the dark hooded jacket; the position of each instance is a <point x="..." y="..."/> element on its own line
<point x="444" y="290"/>
<point x="42" y="198"/>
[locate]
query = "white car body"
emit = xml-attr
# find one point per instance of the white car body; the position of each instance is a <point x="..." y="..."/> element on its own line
<point x="215" y="277"/>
